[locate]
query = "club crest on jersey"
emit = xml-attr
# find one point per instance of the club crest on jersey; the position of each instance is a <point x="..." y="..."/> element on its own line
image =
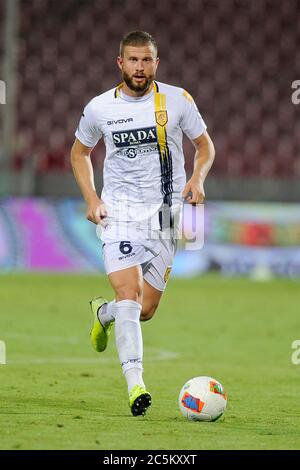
<point x="161" y="117"/>
<point x="132" y="137"/>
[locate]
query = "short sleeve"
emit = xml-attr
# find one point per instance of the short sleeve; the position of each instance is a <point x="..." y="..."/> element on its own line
<point x="88" y="131"/>
<point x="192" y="123"/>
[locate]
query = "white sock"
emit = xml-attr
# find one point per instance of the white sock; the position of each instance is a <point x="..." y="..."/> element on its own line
<point x="134" y="377"/>
<point x="107" y="313"/>
<point x="129" y="340"/>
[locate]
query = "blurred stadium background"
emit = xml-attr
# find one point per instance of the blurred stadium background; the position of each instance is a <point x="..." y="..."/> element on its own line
<point x="238" y="58"/>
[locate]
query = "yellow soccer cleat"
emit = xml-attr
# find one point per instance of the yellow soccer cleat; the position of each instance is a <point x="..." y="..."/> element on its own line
<point x="99" y="333"/>
<point x="139" y="400"/>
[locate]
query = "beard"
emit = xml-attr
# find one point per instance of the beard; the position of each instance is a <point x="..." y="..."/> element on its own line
<point x="138" y="87"/>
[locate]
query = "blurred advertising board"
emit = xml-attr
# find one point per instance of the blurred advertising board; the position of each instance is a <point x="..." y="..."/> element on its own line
<point x="239" y="238"/>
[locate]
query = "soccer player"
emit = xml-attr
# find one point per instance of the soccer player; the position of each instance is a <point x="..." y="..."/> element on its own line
<point x="144" y="186"/>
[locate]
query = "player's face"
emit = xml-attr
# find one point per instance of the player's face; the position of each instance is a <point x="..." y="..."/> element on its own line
<point x="138" y="67"/>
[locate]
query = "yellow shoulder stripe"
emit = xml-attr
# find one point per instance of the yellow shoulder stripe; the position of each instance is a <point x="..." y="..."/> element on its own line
<point x="161" y="117"/>
<point x="187" y="96"/>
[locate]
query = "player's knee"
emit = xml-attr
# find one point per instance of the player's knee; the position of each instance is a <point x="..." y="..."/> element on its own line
<point x="148" y="312"/>
<point x="129" y="293"/>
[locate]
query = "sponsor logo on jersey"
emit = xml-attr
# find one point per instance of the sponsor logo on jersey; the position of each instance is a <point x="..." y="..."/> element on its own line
<point x="119" y="121"/>
<point x="132" y="152"/>
<point x="146" y="135"/>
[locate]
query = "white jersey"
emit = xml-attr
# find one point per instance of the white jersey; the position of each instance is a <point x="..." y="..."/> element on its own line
<point x="144" y="164"/>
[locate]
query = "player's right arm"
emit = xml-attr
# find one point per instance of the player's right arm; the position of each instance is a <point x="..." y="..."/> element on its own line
<point x="84" y="175"/>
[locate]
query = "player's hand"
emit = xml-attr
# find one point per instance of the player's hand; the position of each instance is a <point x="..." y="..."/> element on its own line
<point x="195" y="187"/>
<point x="96" y="210"/>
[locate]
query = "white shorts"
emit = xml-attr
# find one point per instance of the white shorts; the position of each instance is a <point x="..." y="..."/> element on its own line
<point x="154" y="256"/>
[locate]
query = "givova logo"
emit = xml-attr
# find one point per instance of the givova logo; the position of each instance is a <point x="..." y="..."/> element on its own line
<point x="130" y="138"/>
<point x="2" y="352"/>
<point x="119" y="121"/>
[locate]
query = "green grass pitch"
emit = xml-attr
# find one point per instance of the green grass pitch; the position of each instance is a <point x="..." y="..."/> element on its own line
<point x="57" y="393"/>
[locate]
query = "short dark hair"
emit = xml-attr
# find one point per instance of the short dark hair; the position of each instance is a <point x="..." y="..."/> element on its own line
<point x="137" y="39"/>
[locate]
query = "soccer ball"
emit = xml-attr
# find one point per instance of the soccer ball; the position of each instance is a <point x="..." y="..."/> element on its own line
<point x="202" y="399"/>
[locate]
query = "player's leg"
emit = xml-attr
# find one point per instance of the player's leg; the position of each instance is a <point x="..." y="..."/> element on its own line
<point x="106" y="311"/>
<point x="151" y="299"/>
<point x="156" y="274"/>
<point x="128" y="284"/>
<point x="117" y="256"/>
<point x="103" y="316"/>
<point x="128" y="287"/>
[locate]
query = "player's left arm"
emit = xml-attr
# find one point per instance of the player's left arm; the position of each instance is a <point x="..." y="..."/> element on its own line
<point x="204" y="157"/>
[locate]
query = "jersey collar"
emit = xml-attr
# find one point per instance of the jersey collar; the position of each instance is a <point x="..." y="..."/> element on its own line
<point x="120" y="94"/>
